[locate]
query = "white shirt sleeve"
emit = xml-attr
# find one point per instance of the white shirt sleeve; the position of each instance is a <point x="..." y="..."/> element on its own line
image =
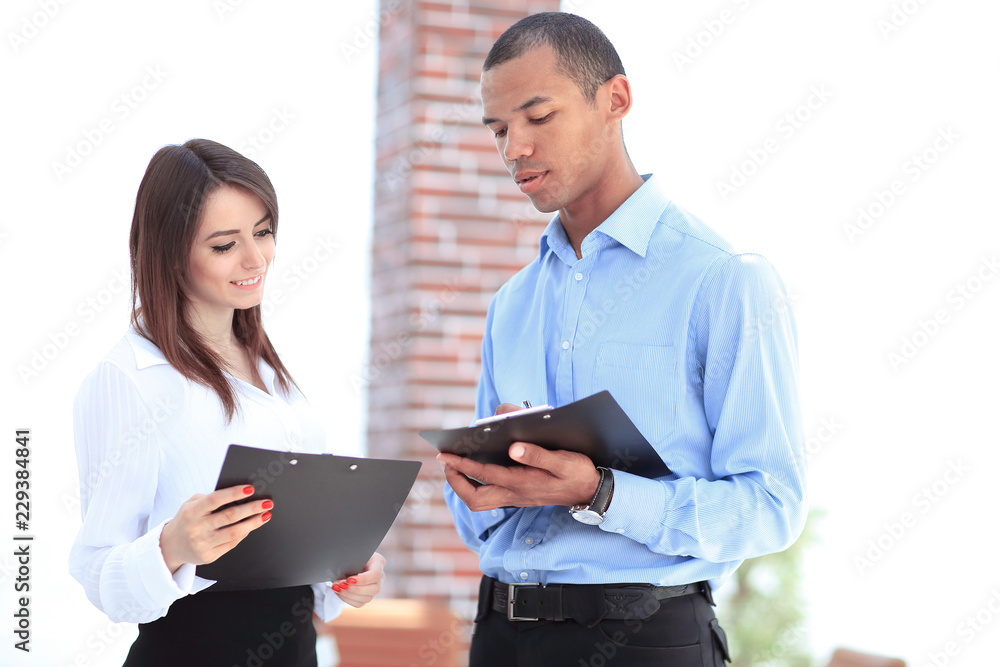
<point x="116" y="556"/>
<point x="328" y="604"/>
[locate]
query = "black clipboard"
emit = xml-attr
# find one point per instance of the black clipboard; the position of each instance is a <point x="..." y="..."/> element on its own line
<point x="330" y="514"/>
<point x="596" y="426"/>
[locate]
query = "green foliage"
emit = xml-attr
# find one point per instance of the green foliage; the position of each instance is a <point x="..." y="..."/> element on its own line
<point x="764" y="615"/>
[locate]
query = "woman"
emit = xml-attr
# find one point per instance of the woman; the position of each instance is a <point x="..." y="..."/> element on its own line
<point x="152" y="422"/>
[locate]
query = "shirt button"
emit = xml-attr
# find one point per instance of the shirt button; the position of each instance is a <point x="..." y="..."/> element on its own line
<point x="578" y="277"/>
<point x="524" y="575"/>
<point x="529" y="540"/>
<point x="495" y="513"/>
<point x="620" y="531"/>
<point x="565" y="345"/>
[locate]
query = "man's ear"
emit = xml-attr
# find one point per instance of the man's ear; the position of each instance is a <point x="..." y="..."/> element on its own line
<point x="619" y="97"/>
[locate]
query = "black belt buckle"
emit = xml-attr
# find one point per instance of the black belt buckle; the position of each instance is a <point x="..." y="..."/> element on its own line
<point x="511" y="591"/>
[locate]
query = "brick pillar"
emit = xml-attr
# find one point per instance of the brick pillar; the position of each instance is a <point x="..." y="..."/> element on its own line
<point x="450" y="228"/>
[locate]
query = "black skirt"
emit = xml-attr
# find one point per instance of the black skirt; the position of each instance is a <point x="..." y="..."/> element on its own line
<point x="239" y="628"/>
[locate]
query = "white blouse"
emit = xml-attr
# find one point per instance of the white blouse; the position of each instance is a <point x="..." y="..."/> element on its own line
<point x="147" y="439"/>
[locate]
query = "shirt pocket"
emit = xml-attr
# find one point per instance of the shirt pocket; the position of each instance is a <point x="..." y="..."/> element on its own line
<point x="643" y="379"/>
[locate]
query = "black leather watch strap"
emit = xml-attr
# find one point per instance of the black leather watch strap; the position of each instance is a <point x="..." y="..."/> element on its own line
<point x="602" y="498"/>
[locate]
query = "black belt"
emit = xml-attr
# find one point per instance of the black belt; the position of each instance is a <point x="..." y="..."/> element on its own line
<point x="586" y="603"/>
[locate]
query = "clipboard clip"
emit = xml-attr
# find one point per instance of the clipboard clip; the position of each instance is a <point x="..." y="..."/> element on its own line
<point x="513" y="413"/>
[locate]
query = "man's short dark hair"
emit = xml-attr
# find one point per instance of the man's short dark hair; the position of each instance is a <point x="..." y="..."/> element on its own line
<point x="585" y="54"/>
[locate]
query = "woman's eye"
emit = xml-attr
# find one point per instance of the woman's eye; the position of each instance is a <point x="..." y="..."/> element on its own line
<point x="223" y="248"/>
<point x="264" y="233"/>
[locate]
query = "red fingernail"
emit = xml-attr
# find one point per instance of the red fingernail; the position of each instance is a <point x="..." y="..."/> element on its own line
<point x="352" y="580"/>
<point x="247" y="490"/>
<point x="267" y="504"/>
<point x="265" y="517"/>
<point x="336" y="587"/>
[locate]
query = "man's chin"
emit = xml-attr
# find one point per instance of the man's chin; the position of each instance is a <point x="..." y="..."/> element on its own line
<point x="544" y="204"/>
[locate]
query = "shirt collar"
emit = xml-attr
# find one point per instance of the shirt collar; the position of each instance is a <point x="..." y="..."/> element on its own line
<point x="148" y="354"/>
<point x="631" y="224"/>
<point x="145" y="351"/>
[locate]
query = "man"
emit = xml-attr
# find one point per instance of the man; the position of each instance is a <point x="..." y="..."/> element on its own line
<point x="633" y="295"/>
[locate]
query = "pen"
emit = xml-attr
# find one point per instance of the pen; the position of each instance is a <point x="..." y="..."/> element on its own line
<point x="526" y="403"/>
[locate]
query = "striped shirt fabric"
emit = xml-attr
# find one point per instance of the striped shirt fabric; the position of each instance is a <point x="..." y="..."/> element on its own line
<point x="147" y="439"/>
<point x="698" y="346"/>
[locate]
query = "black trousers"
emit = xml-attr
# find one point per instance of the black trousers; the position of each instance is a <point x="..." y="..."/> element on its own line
<point x="268" y="628"/>
<point x="682" y="633"/>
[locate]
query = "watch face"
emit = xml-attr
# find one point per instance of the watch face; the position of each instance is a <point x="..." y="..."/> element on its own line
<point x="587" y="516"/>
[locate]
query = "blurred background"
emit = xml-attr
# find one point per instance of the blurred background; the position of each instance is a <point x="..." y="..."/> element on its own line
<point x="853" y="144"/>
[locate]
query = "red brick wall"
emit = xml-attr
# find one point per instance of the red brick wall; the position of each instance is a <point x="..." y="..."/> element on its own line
<point x="450" y="228"/>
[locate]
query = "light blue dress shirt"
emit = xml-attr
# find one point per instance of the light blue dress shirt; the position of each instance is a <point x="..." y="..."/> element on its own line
<point x="698" y="346"/>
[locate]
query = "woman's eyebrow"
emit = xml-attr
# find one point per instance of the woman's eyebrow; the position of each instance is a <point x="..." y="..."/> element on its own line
<point x="227" y="232"/>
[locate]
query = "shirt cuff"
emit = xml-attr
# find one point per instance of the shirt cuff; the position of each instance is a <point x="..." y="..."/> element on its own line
<point x="149" y="574"/>
<point x="629" y="513"/>
<point x="327" y="604"/>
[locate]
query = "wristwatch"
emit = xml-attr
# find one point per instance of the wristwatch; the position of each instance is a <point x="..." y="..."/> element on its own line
<point x="593" y="513"/>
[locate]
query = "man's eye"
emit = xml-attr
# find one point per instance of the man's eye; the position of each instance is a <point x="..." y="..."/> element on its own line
<point x="223" y="248"/>
<point x="500" y="133"/>
<point x="542" y="119"/>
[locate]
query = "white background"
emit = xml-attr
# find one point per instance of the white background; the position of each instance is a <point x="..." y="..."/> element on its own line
<point x="298" y="77"/>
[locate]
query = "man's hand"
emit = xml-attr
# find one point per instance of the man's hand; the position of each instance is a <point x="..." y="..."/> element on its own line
<point x="543" y="478"/>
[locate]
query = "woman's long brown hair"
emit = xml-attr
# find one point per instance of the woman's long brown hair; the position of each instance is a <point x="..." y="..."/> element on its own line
<point x="168" y="208"/>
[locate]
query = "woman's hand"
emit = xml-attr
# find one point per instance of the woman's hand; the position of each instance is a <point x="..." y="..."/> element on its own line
<point x="362" y="588"/>
<point x="196" y="535"/>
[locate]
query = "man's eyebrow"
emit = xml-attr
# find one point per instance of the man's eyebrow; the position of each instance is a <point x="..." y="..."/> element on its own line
<point x="227" y="232"/>
<point x="534" y="101"/>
